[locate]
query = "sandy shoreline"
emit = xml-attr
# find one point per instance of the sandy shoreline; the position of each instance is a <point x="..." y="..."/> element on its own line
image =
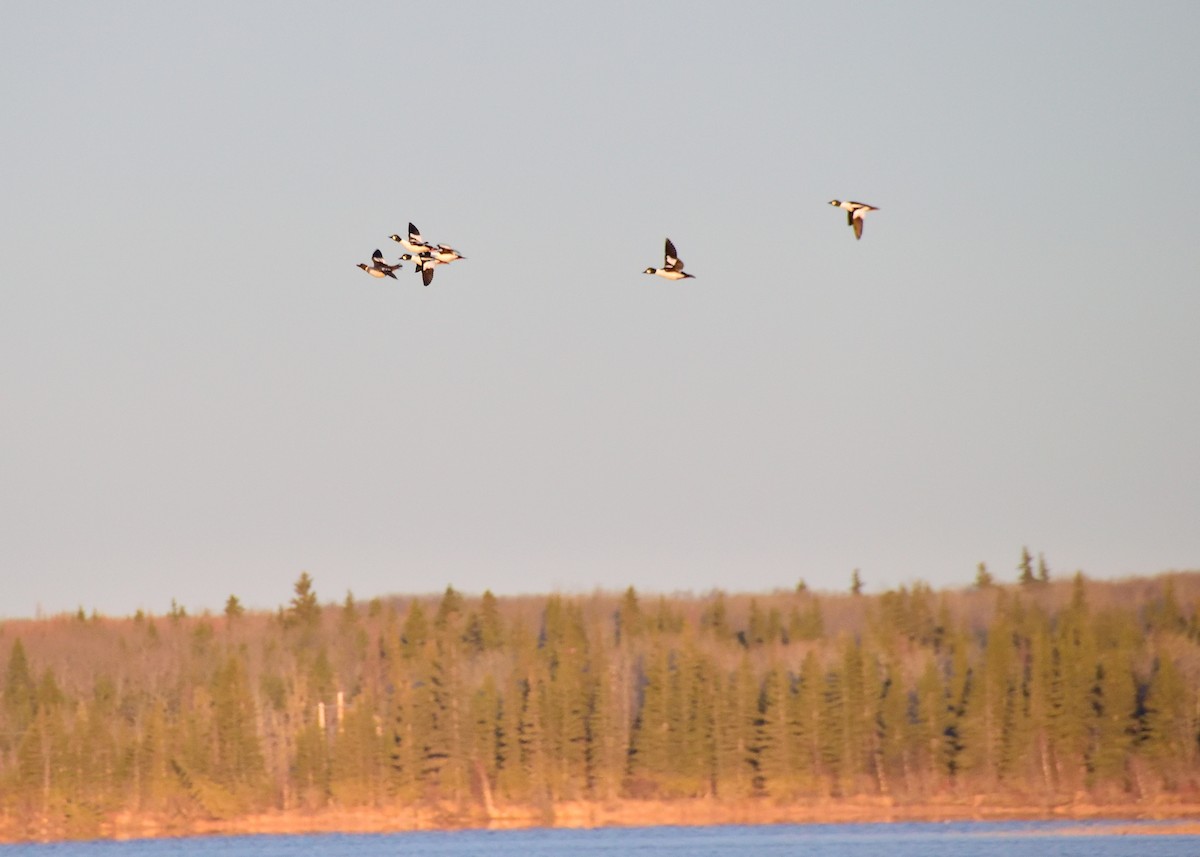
<point x="1115" y="819"/>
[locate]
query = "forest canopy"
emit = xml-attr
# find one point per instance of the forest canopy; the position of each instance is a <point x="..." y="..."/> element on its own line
<point x="1046" y="689"/>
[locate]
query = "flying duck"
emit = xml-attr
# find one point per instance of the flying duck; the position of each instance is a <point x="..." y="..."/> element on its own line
<point x="424" y="266"/>
<point x="672" y="268"/>
<point x="855" y="212"/>
<point x="414" y="243"/>
<point x="378" y="267"/>
<point x="444" y="254"/>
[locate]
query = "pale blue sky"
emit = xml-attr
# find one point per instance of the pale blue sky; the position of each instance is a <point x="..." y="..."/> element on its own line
<point x="201" y="395"/>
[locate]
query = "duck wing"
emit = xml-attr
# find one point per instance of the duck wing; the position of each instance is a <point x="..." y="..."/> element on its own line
<point x="672" y="262"/>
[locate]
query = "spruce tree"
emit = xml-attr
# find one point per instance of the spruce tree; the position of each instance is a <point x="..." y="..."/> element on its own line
<point x="997" y="753"/>
<point x="484" y="631"/>
<point x="484" y="733"/>
<point x="608" y="735"/>
<point x="772" y="747"/>
<point x="1025" y="568"/>
<point x="304" y="611"/>
<point x="756" y="627"/>
<point x="734" y="729"/>
<point x="156" y="783"/>
<point x="715" y="618"/>
<point x="357" y="773"/>
<point x="1170" y="726"/>
<point x="44" y="763"/>
<point x="534" y="759"/>
<point x="404" y="755"/>
<point x="511" y="780"/>
<point x="893" y="733"/>
<point x="856" y="730"/>
<point x="569" y="697"/>
<point x="490" y="622"/>
<point x="101" y="773"/>
<point x="311" y="766"/>
<point x="1116" y="727"/>
<point x="450" y="609"/>
<point x="1071" y="713"/>
<point x="698" y="680"/>
<point x="1043" y="570"/>
<point x="804" y="724"/>
<point x="415" y="635"/>
<point x="649" y="750"/>
<point x="1164" y="613"/>
<point x="806" y="625"/>
<point x="961" y="706"/>
<point x="20" y="694"/>
<point x="1039" y="678"/>
<point x="629" y="616"/>
<point x="931" y="727"/>
<point x="237" y="761"/>
<point x="832" y="733"/>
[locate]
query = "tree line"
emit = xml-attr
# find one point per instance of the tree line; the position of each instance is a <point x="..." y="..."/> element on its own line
<point x="1038" y="692"/>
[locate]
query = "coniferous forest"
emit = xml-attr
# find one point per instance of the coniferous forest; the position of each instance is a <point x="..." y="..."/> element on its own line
<point x="1040" y="693"/>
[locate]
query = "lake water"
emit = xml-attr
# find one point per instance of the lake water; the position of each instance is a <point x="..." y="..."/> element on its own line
<point x="1026" y="839"/>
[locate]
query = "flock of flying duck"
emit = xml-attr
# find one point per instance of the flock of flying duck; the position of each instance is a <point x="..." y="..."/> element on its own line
<point x="426" y="256"/>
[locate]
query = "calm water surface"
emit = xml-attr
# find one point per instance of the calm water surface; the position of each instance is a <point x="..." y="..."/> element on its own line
<point x="1024" y="839"/>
